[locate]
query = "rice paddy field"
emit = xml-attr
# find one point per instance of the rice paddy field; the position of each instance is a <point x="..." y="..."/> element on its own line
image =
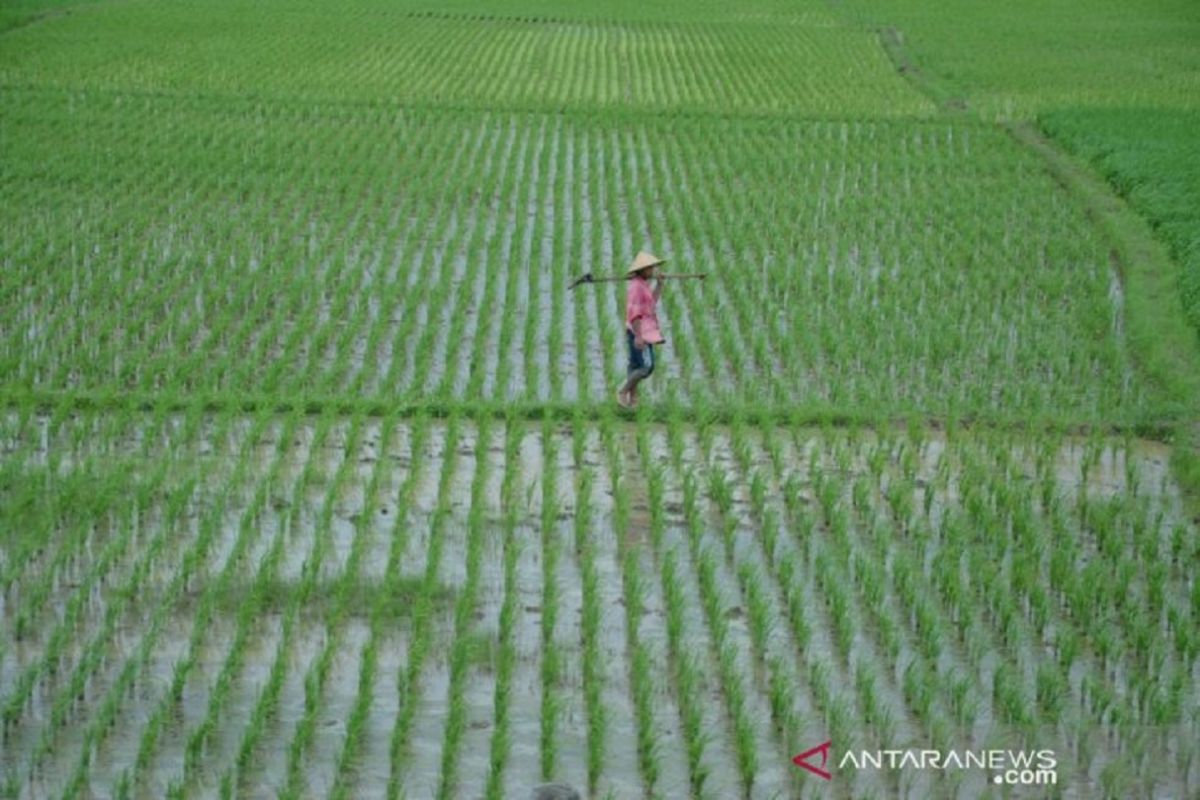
<point x="312" y="481"/>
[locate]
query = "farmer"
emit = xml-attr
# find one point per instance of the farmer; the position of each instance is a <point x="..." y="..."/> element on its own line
<point x="641" y="325"/>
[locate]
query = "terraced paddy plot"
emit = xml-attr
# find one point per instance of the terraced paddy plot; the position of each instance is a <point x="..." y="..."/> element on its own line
<point x="323" y="250"/>
<point x="381" y="54"/>
<point x="381" y="606"/>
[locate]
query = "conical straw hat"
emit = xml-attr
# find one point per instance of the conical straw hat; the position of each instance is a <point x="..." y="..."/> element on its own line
<point x="643" y="260"/>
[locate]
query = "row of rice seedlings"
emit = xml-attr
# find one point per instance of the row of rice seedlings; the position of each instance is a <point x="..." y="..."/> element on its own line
<point x="641" y="681"/>
<point x="170" y="702"/>
<point x="523" y="357"/>
<point x="482" y="367"/>
<point x="850" y="270"/>
<point x="1015" y="600"/>
<point x="157" y="298"/>
<point x="597" y="187"/>
<point x="546" y="239"/>
<point x="216" y="588"/>
<point x="551" y="657"/>
<point x="442" y="304"/>
<point x="1129" y="538"/>
<point x="266" y="704"/>
<point x="247" y="354"/>
<point x="464" y="645"/>
<point x="330" y="313"/>
<point x="318" y="671"/>
<point x="924" y="624"/>
<point x="221" y="252"/>
<point x="860" y="563"/>
<point x="702" y="366"/>
<point x="687" y="678"/>
<point x="694" y="224"/>
<point x="46" y="672"/>
<point x="434" y="278"/>
<point x="144" y="333"/>
<point x="159" y="316"/>
<point x="93" y="654"/>
<point x="781" y="568"/>
<point x="507" y="652"/>
<point x="829" y="577"/>
<point x="479" y="255"/>
<point x="535" y="251"/>
<point x="113" y="346"/>
<point x="592" y="661"/>
<point x="497" y="383"/>
<point x="643" y="222"/>
<point x="355" y="728"/>
<point x="109" y="706"/>
<point x="1138" y="628"/>
<point x="87" y="496"/>
<point x="702" y="224"/>
<point x="47" y="668"/>
<point x="565" y="232"/>
<point x="841" y="282"/>
<point x="384" y="293"/>
<point x="723" y="650"/>
<point x="342" y="257"/>
<point x="348" y="583"/>
<point x="423" y="612"/>
<point x="1000" y="597"/>
<point x="249" y="612"/>
<point x="808" y="65"/>
<point x="340" y="355"/>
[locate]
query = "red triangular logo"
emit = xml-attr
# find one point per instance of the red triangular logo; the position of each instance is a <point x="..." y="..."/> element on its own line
<point x="802" y="760"/>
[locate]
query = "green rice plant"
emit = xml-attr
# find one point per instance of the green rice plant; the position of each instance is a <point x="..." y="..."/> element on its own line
<point x="507" y="655"/>
<point x="687" y="680"/>
<point x="355" y="733"/>
<point x="246" y="618"/>
<point x="422" y="612"/>
<point x="868" y="696"/>
<point x="92" y="654"/>
<point x="590" y="620"/>
<point x="550" y="555"/>
<point x="1008" y="696"/>
<point x="207" y="529"/>
<point x="963" y="704"/>
<point x="103" y="721"/>
<point x="918" y="691"/>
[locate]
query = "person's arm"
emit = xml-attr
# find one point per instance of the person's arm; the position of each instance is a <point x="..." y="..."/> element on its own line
<point x="658" y="286"/>
<point x="638" y="342"/>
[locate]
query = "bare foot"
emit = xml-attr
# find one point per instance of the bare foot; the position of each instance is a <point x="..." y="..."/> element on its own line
<point x="623" y="398"/>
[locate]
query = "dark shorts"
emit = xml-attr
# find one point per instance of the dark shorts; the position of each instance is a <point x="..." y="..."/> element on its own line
<point x="639" y="359"/>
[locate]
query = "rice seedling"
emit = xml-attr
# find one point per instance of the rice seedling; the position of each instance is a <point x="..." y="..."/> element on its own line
<point x="507" y="654"/>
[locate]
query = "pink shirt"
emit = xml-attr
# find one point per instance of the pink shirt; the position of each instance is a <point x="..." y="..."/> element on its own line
<point x="639" y="304"/>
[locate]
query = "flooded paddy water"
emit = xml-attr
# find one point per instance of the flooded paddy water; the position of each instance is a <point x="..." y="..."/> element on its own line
<point x="467" y="608"/>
